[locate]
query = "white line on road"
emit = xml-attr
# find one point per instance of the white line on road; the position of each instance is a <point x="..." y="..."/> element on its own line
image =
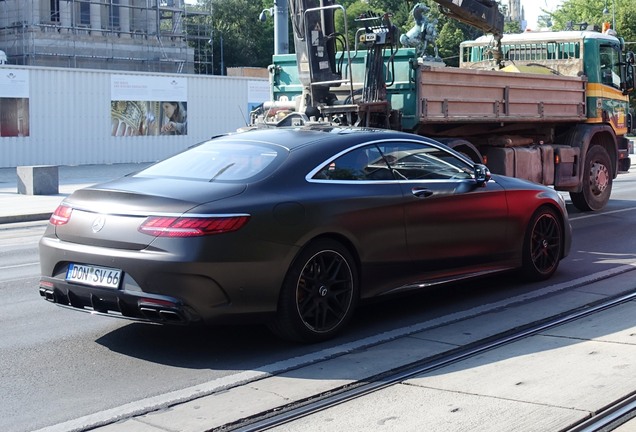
<point x="19" y="266"/>
<point x="598" y="214"/>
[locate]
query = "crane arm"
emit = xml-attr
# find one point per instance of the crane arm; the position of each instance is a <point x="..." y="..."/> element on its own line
<point x="481" y="14"/>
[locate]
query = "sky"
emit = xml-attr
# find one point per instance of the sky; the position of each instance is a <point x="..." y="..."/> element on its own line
<point x="532" y="9"/>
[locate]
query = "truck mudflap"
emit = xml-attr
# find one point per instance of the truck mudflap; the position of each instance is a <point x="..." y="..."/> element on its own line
<point x="625" y="148"/>
<point x="567" y="165"/>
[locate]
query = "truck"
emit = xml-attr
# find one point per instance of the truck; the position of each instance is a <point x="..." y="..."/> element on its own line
<point x="550" y="107"/>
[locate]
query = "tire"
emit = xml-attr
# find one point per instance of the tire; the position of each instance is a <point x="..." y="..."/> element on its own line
<point x="319" y="294"/>
<point x="543" y="245"/>
<point x="464" y="147"/>
<point x="597" y="181"/>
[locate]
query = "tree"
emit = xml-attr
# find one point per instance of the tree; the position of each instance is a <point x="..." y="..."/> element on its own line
<point x="512" y="27"/>
<point x="450" y="36"/>
<point x="236" y="31"/>
<point x="591" y="12"/>
<point x="354" y="11"/>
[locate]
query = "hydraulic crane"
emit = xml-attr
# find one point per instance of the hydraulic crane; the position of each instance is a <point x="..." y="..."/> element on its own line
<point x="550" y="107"/>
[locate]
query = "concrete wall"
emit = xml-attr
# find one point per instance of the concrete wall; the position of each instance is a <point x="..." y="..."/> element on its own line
<point x="70" y="121"/>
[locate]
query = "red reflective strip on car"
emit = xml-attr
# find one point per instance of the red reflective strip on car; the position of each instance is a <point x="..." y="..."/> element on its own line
<point x="155" y="302"/>
<point x="61" y="215"/>
<point x="191" y="227"/>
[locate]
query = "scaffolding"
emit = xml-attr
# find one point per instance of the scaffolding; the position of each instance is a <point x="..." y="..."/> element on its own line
<point x="139" y="35"/>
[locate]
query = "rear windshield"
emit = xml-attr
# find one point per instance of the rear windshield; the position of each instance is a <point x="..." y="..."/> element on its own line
<point x="212" y="161"/>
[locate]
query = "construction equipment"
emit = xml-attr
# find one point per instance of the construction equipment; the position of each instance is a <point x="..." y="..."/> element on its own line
<point x="551" y="107"/>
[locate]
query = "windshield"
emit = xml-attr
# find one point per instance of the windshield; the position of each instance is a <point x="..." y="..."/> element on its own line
<point x="216" y="161"/>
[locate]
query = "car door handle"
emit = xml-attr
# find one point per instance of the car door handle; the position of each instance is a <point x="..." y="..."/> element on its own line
<point x="421" y="192"/>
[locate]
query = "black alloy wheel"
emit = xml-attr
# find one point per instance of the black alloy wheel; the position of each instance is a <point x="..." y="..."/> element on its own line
<point x="543" y="245"/>
<point x="319" y="294"/>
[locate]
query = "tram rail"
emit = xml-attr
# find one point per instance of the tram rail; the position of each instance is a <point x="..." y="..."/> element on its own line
<point x="615" y="414"/>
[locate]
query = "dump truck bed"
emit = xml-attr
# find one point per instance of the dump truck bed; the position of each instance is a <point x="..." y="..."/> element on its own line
<point x="456" y="95"/>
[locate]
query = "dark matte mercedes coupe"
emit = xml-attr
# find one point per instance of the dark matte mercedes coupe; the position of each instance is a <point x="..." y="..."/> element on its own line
<point x="293" y="227"/>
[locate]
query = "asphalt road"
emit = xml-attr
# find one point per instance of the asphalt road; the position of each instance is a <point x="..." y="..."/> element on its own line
<point x="57" y="365"/>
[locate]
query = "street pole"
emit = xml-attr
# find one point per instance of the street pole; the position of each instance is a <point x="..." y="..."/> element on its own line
<point x="222" y="59"/>
<point x="281" y="28"/>
<point x="606" y="12"/>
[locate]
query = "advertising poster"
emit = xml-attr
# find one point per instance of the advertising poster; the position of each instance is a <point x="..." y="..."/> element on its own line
<point x="257" y="93"/>
<point x="14" y="103"/>
<point x="142" y="105"/>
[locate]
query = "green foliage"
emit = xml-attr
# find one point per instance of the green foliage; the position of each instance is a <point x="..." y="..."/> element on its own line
<point x="591" y="12"/>
<point x="354" y="10"/>
<point x="450" y="36"/>
<point x="512" y="27"/>
<point x="246" y="40"/>
<point x="399" y="9"/>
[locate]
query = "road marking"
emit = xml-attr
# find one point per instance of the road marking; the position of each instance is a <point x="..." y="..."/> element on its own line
<point x="166" y="400"/>
<point x="586" y="216"/>
<point x="19" y="266"/>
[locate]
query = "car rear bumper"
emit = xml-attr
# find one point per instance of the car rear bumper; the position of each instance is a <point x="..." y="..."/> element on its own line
<point x="130" y="305"/>
<point x="168" y="288"/>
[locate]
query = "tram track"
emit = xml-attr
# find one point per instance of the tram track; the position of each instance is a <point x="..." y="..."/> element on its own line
<point x="613" y="416"/>
<point x="605" y="420"/>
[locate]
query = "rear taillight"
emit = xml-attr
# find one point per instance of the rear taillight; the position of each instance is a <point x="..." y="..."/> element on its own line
<point x="61" y="215"/>
<point x="161" y="226"/>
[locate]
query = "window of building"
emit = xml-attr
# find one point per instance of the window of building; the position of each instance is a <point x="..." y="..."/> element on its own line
<point x="85" y="12"/>
<point x="55" y="10"/>
<point x="113" y="14"/>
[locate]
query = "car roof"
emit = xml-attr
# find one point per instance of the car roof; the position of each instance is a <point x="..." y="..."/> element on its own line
<point x="301" y="136"/>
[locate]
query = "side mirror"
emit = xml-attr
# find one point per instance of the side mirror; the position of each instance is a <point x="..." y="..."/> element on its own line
<point x="481" y="173"/>
<point x="630" y="66"/>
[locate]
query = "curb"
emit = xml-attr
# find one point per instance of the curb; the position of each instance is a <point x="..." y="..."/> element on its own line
<point x="24" y="218"/>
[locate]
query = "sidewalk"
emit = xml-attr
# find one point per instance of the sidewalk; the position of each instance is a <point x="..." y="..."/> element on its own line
<point x="15" y="207"/>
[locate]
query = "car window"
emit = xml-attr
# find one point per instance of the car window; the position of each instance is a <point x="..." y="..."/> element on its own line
<point x="414" y="161"/>
<point x="364" y="163"/>
<point x="211" y="161"/>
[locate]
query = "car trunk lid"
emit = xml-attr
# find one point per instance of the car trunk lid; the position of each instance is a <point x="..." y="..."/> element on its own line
<point x="109" y="215"/>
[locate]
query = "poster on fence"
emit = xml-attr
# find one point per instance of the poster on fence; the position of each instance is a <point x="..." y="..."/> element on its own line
<point x="14" y="103"/>
<point x="146" y="105"/>
<point x="257" y="93"/>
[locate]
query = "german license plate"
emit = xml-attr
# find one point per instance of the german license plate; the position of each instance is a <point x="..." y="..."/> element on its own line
<point x="93" y="275"/>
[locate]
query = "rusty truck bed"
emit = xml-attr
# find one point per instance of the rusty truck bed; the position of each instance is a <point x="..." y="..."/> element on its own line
<point x="468" y="95"/>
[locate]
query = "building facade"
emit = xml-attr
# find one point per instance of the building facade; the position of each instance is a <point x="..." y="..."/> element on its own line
<point x="134" y="35"/>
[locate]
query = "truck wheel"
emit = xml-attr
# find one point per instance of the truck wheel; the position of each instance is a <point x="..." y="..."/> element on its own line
<point x="597" y="181"/>
<point x="319" y="293"/>
<point x="542" y="246"/>
<point x="463" y="146"/>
